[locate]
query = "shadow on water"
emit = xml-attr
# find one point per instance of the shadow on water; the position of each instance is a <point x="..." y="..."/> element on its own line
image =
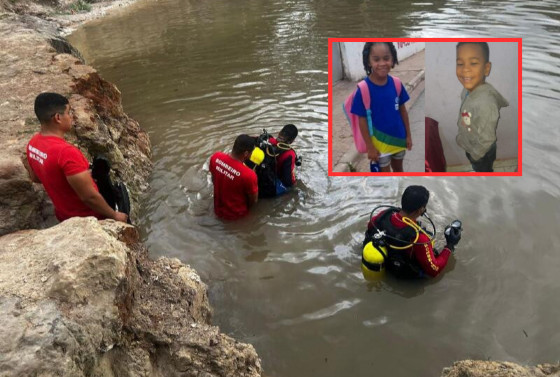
<point x="287" y="278"/>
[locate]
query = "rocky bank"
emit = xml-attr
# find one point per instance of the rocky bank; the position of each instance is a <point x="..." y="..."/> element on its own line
<point x="82" y="298"/>
<point x="476" y="368"/>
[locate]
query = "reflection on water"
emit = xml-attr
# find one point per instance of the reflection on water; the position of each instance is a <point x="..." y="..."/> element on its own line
<point x="287" y="278"/>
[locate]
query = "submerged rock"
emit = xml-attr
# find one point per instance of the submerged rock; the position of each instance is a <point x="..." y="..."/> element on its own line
<point x="83" y="299"/>
<point x="477" y="368"/>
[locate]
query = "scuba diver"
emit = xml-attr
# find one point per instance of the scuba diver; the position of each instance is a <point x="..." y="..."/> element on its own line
<point x="396" y="242"/>
<point x="274" y="161"/>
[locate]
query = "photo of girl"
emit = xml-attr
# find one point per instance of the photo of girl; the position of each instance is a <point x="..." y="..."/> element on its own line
<point x="387" y="138"/>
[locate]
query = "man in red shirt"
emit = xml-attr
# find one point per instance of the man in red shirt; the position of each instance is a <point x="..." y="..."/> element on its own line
<point x="235" y="185"/>
<point x="419" y="259"/>
<point x="61" y="167"/>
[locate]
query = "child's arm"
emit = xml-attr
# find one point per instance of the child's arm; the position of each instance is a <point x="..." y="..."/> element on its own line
<point x="373" y="154"/>
<point x="404" y="115"/>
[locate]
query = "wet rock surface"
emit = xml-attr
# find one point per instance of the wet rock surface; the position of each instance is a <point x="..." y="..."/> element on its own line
<point x="83" y="299"/>
<point x="476" y="368"/>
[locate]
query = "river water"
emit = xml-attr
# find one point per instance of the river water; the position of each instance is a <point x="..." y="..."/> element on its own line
<point x="287" y="278"/>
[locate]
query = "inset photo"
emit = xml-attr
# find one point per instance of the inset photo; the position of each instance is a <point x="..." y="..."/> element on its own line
<point x="472" y="107"/>
<point x="430" y="106"/>
<point x="376" y="106"/>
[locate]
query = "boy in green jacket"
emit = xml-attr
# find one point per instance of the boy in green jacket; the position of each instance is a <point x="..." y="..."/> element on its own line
<point x="480" y="106"/>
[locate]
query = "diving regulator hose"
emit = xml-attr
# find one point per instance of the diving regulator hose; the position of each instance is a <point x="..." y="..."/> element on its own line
<point x="410" y="223"/>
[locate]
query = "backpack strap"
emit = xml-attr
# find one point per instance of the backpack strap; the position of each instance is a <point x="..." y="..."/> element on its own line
<point x="365" y="93"/>
<point x="398" y="85"/>
<point x="364" y="90"/>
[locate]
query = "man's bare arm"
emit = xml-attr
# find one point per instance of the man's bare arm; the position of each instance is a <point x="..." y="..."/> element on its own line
<point x="30" y="171"/>
<point x="83" y="186"/>
<point x="253" y="198"/>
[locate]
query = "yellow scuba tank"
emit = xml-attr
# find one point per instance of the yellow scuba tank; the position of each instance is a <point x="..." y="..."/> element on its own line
<point x="257" y="156"/>
<point x="373" y="261"/>
<point x="375" y="253"/>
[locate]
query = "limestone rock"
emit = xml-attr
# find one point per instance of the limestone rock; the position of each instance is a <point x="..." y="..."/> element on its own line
<point x="21" y="202"/>
<point x="477" y="368"/>
<point x="59" y="288"/>
<point x="83" y="299"/>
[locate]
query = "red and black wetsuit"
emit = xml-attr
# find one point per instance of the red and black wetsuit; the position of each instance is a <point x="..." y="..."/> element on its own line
<point x="285" y="165"/>
<point x="421" y="254"/>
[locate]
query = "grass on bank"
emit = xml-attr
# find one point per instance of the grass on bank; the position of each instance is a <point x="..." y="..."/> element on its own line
<point x="79" y="6"/>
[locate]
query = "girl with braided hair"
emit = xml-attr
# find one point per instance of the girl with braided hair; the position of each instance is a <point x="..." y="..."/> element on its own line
<point x="386" y="128"/>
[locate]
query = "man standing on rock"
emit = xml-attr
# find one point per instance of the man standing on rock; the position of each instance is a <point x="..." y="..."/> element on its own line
<point x="235" y="185"/>
<point x="61" y="167"/>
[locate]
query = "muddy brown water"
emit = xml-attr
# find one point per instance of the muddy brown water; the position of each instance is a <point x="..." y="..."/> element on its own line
<point x="287" y="279"/>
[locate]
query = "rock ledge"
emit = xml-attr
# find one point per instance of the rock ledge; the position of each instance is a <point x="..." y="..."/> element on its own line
<point x="83" y="299"/>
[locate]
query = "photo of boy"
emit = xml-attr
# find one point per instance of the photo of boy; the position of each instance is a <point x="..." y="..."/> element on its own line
<point x="480" y="106"/>
<point x="472" y="106"/>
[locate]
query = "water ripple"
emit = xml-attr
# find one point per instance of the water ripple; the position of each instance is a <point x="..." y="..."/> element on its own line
<point x="322" y="313"/>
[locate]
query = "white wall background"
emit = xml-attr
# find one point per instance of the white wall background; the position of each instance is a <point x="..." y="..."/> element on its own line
<point x="352" y="56"/>
<point x="443" y="96"/>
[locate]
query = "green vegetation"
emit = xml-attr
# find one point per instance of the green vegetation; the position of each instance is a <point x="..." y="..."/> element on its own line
<point x="80" y="6"/>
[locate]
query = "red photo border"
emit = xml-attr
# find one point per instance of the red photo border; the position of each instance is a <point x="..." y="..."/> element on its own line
<point x="447" y="174"/>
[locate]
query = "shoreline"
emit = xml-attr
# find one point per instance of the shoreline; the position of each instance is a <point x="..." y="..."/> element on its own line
<point x="70" y="22"/>
<point x="62" y="14"/>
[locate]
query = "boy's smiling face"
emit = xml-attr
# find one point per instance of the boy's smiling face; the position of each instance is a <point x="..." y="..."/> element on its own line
<point x="472" y="67"/>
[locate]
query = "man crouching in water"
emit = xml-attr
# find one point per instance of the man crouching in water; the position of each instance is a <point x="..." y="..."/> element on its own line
<point x="235" y="185"/>
<point x="410" y="252"/>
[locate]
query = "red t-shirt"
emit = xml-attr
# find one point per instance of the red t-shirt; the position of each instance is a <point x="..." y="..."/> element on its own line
<point x="423" y="254"/>
<point x="233" y="183"/>
<point x="52" y="160"/>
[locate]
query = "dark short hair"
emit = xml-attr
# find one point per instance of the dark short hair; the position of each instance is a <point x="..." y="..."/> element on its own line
<point x="483" y="45"/>
<point x="48" y="104"/>
<point x="289" y="132"/>
<point x="414" y="197"/>
<point x="243" y="143"/>
<point x="367" y="49"/>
